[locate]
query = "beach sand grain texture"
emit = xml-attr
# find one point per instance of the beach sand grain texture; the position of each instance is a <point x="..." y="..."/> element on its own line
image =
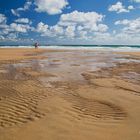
<point x="104" y="106"/>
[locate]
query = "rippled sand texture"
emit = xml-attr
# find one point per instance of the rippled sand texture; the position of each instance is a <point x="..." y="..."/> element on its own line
<point x="70" y="95"/>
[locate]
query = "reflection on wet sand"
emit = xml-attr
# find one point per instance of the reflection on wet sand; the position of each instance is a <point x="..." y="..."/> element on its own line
<point x="64" y="66"/>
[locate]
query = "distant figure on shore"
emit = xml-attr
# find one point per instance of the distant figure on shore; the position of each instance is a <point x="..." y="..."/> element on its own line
<point x="36" y="45"/>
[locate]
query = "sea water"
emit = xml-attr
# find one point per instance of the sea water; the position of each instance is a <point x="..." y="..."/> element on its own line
<point x="119" y="48"/>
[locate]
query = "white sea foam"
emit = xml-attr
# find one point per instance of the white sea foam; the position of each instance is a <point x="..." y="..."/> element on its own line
<point x="98" y="48"/>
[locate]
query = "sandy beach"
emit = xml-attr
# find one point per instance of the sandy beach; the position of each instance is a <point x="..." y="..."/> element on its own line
<point x="69" y="95"/>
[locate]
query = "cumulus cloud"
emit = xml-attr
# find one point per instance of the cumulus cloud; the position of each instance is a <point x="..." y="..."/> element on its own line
<point x="3" y="19"/>
<point x="50" y="31"/>
<point x="75" y="25"/>
<point x="122" y="22"/>
<point x="120" y="8"/>
<point x="26" y="6"/>
<point x="130" y="26"/>
<point x="137" y="1"/>
<point x="57" y="29"/>
<point x="12" y="36"/>
<point x="14" y="27"/>
<point x="86" y="20"/>
<point x="15" y="12"/>
<point x="70" y="31"/>
<point x="131" y="7"/>
<point x="23" y="20"/>
<point x="51" y="7"/>
<point x="85" y="23"/>
<point x="42" y="28"/>
<point x="3" y="25"/>
<point x="129" y="33"/>
<point x="7" y="31"/>
<point x="2" y="37"/>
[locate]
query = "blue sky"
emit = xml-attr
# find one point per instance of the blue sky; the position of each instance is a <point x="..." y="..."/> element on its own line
<point x="70" y="21"/>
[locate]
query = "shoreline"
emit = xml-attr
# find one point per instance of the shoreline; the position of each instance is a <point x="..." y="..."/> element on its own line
<point x="29" y="53"/>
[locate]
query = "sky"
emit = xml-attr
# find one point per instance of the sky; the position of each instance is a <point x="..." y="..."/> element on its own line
<point x="102" y="22"/>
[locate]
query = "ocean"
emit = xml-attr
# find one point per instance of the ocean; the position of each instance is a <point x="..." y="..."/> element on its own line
<point x="126" y="48"/>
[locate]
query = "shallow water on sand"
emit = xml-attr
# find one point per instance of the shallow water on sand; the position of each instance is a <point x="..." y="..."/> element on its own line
<point x="68" y="66"/>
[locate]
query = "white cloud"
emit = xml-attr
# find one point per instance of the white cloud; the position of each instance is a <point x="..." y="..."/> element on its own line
<point x="102" y="37"/>
<point x="21" y="25"/>
<point x="114" y="32"/>
<point x="12" y="36"/>
<point x="11" y="31"/>
<point x="70" y="31"/>
<point x="57" y="29"/>
<point x="138" y="1"/>
<point x="81" y="17"/>
<point x="3" y="19"/>
<point x="133" y="27"/>
<point x="120" y="8"/>
<point x="3" y="25"/>
<point x="42" y="28"/>
<point x="23" y="20"/>
<point x="102" y="28"/>
<point x="74" y="25"/>
<point x="131" y="7"/>
<point x="23" y="28"/>
<point x="26" y="6"/>
<point x="15" y="12"/>
<point x="130" y="26"/>
<point x="2" y="37"/>
<point x="129" y="33"/>
<point x="51" y="7"/>
<point x="122" y="22"/>
<point x="50" y="31"/>
<point x="83" y="21"/>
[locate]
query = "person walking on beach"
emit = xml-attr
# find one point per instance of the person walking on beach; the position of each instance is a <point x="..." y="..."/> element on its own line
<point x="36" y="45"/>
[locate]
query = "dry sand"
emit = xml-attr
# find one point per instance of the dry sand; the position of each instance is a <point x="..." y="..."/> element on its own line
<point x="58" y="96"/>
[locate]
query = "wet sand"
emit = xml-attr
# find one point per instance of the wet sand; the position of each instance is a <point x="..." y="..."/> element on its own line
<point x="69" y="95"/>
<point x="131" y="53"/>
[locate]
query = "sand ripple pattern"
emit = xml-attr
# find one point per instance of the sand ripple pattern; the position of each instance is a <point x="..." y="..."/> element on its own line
<point x="95" y="109"/>
<point x="18" y="107"/>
